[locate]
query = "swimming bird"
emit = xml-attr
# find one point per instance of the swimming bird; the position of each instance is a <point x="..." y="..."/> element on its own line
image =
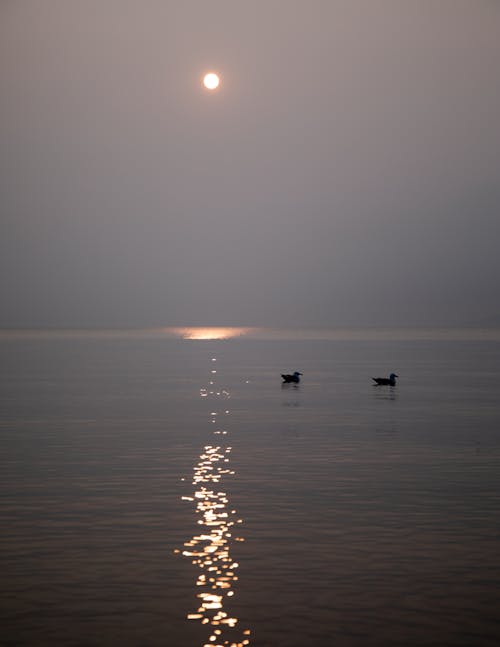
<point x="391" y="380"/>
<point x="287" y="379"/>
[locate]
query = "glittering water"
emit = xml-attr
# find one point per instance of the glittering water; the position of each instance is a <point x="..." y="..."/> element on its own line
<point x="166" y="491"/>
<point x="210" y="547"/>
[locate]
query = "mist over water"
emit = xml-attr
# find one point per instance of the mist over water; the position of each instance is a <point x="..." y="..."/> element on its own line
<point x="367" y="515"/>
<point x="346" y="172"/>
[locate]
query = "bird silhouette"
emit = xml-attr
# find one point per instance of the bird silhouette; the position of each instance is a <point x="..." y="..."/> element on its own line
<point x="288" y="379"/>
<point x="390" y="381"/>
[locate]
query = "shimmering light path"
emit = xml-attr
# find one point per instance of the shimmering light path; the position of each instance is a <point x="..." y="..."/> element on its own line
<point x="210" y="549"/>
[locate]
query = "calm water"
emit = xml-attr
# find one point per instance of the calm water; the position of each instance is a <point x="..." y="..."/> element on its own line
<point x="146" y="479"/>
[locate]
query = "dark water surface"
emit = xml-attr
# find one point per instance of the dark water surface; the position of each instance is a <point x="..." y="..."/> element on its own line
<point x="332" y="513"/>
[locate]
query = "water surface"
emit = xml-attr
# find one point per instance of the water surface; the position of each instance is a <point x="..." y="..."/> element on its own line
<point x="359" y="515"/>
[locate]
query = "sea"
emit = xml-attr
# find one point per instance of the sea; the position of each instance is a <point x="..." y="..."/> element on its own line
<point x="163" y="488"/>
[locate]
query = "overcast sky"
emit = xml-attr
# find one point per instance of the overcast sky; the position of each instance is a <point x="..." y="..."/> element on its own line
<point x="346" y="172"/>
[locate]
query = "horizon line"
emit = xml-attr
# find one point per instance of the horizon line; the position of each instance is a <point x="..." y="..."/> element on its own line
<point x="276" y="333"/>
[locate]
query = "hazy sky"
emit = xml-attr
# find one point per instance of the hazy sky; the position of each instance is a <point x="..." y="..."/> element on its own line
<point x="347" y="171"/>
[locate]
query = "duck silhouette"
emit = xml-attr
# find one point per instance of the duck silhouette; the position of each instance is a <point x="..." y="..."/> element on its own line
<point x="288" y="379"/>
<point x="390" y="381"/>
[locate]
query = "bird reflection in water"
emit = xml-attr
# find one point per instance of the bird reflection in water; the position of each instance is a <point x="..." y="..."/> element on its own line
<point x="210" y="550"/>
<point x="391" y="393"/>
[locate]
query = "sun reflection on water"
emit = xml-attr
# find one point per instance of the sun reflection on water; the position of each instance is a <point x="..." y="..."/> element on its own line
<point x="210" y="549"/>
<point x="211" y="333"/>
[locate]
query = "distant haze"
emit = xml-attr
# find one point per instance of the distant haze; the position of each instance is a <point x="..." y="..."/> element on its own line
<point x="346" y="171"/>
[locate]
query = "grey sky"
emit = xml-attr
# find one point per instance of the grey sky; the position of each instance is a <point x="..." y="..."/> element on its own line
<point x="347" y="172"/>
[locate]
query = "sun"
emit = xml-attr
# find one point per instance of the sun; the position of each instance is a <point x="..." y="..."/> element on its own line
<point x="211" y="81"/>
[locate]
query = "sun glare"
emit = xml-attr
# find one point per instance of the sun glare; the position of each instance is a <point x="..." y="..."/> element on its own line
<point x="211" y="81"/>
<point x="211" y="333"/>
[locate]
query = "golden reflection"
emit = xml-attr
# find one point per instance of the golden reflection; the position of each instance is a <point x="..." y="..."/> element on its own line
<point x="211" y="333"/>
<point x="210" y="549"/>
